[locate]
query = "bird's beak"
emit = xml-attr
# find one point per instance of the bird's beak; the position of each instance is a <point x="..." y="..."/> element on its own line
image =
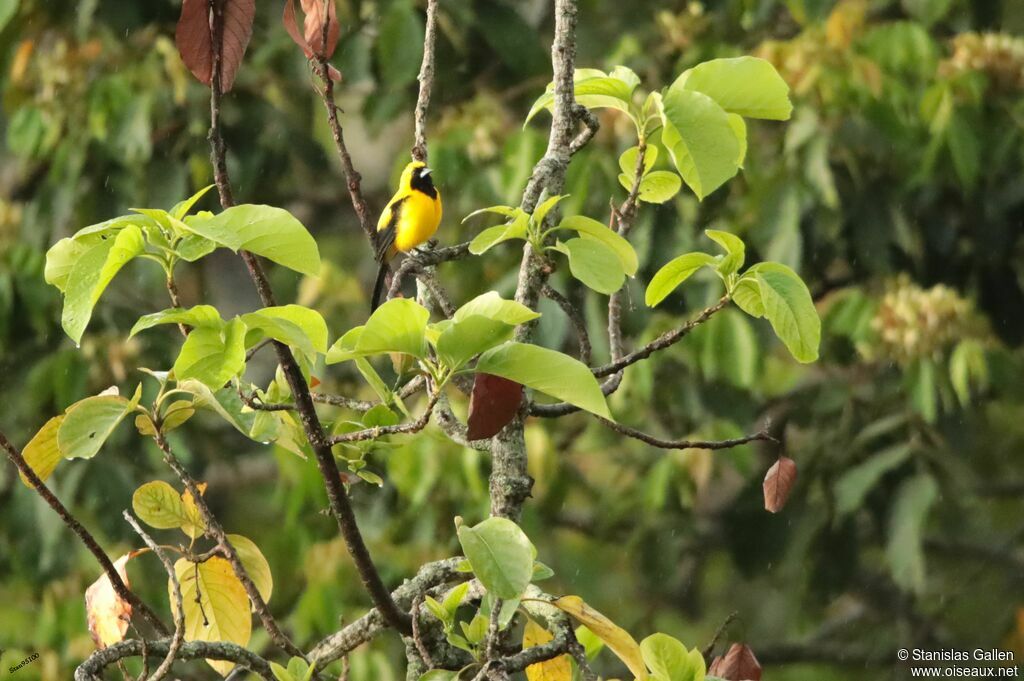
<point x="426" y="171"/>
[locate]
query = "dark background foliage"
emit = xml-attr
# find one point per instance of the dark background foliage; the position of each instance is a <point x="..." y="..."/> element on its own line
<point x="896" y="191"/>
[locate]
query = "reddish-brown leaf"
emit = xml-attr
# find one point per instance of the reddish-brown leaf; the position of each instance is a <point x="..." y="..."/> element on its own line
<point x="494" y="402"/>
<point x="739" y="664"/>
<point x="194" y="39"/>
<point x="195" y="44"/>
<point x="314" y="26"/>
<point x="778" y="483"/>
<point x="107" y="614"/>
<point x="291" y="25"/>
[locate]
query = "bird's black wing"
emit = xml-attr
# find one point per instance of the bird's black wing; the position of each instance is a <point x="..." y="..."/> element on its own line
<point x="386" y="236"/>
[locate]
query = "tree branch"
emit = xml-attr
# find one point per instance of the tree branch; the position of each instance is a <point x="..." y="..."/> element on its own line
<point x="190" y="650"/>
<point x="369" y="625"/>
<point x="179" y="611"/>
<point x="83" y="534"/>
<point x="336" y="494"/>
<point x="510" y="483"/>
<point x="379" y="431"/>
<point x="685" y="444"/>
<point x="579" y="324"/>
<point x="426" y="79"/>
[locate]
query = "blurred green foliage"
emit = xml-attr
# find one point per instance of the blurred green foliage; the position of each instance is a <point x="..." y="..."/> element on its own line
<point x="896" y="191"/>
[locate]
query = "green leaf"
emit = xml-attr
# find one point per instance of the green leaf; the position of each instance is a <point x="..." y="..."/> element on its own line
<point x="674" y="273"/>
<point x="592" y="229"/>
<point x="789" y="308"/>
<point x="42" y="453"/>
<point x="280" y="673"/>
<point x="739" y="126"/>
<point x="855" y="483"/>
<point x="62" y="257"/>
<point x="967" y="368"/>
<point x="747" y="86"/>
<point x="594" y="264"/>
<point x="468" y="337"/>
<point x="224" y="401"/>
<point x="501" y="556"/>
<point x="437" y="610"/>
<point x="192" y="247"/>
<point x="700" y="139"/>
<point x="627" y="162"/>
<point x="212" y="356"/>
<point x="492" y="236"/>
<point x="729" y="349"/>
<point x="454" y="598"/>
<point x="547" y="371"/>
<point x="264" y="230"/>
<point x="159" y="505"/>
<point x="398" y="325"/>
<point x="344" y="348"/>
<point x="88" y="423"/>
<point x="540" y="213"/>
<point x="669" y="660"/>
<point x="91" y="274"/>
<point x="594" y="90"/>
<point x="197" y="317"/>
<point x="254" y="563"/>
<point x="659" y="186"/>
<point x="493" y="306"/>
<point x="293" y="325"/>
<point x="904" y="551"/>
<point x="182" y="208"/>
<point x="747" y="296"/>
<point x="735" y="250"/>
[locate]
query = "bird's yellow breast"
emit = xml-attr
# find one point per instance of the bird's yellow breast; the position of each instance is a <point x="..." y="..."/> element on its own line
<point x="418" y="219"/>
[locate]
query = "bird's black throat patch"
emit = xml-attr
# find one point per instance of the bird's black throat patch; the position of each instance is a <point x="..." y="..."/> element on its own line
<point x="423" y="183"/>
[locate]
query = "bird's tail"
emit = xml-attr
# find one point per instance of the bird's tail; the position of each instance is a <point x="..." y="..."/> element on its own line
<point x="378" y="288"/>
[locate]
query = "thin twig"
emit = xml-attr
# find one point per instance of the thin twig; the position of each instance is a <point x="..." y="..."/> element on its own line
<point x="710" y="647"/>
<point x="426" y="80"/>
<point x="179" y="611"/>
<point x="421" y="647"/>
<point x="379" y="431"/>
<point x="685" y="444"/>
<point x="579" y="324"/>
<point x="83" y="534"/>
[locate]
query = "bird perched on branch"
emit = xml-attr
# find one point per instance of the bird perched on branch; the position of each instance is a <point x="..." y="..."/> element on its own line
<point x="410" y="219"/>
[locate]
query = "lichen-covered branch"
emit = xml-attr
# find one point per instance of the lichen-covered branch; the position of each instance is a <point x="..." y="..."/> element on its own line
<point x="369" y="625"/>
<point x="379" y="431"/>
<point x="83" y="534"/>
<point x="426" y="80"/>
<point x="190" y="650"/>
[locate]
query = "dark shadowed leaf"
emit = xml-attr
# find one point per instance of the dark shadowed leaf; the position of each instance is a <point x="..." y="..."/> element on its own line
<point x="494" y="402"/>
<point x="778" y="483"/>
<point x="195" y="41"/>
<point x="739" y="664"/>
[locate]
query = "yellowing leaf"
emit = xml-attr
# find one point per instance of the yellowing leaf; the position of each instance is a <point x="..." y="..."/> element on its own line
<point x="42" y="453"/>
<point x="255" y="564"/>
<point x="222" y="613"/>
<point x="195" y="525"/>
<point x="107" y="613"/>
<point x="159" y="505"/>
<point x="614" y="636"/>
<point x="556" y="669"/>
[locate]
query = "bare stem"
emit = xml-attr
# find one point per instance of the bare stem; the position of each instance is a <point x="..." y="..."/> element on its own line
<point x="426" y="79"/>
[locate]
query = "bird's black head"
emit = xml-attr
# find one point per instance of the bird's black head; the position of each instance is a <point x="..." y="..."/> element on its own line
<point x="423" y="182"/>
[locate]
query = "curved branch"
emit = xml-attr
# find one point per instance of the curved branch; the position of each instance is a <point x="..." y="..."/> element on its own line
<point x="686" y="444"/>
<point x="579" y="324"/>
<point x="83" y="534"/>
<point x="191" y="650"/>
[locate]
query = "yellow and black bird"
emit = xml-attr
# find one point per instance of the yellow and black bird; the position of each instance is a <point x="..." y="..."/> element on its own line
<point x="410" y="218"/>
